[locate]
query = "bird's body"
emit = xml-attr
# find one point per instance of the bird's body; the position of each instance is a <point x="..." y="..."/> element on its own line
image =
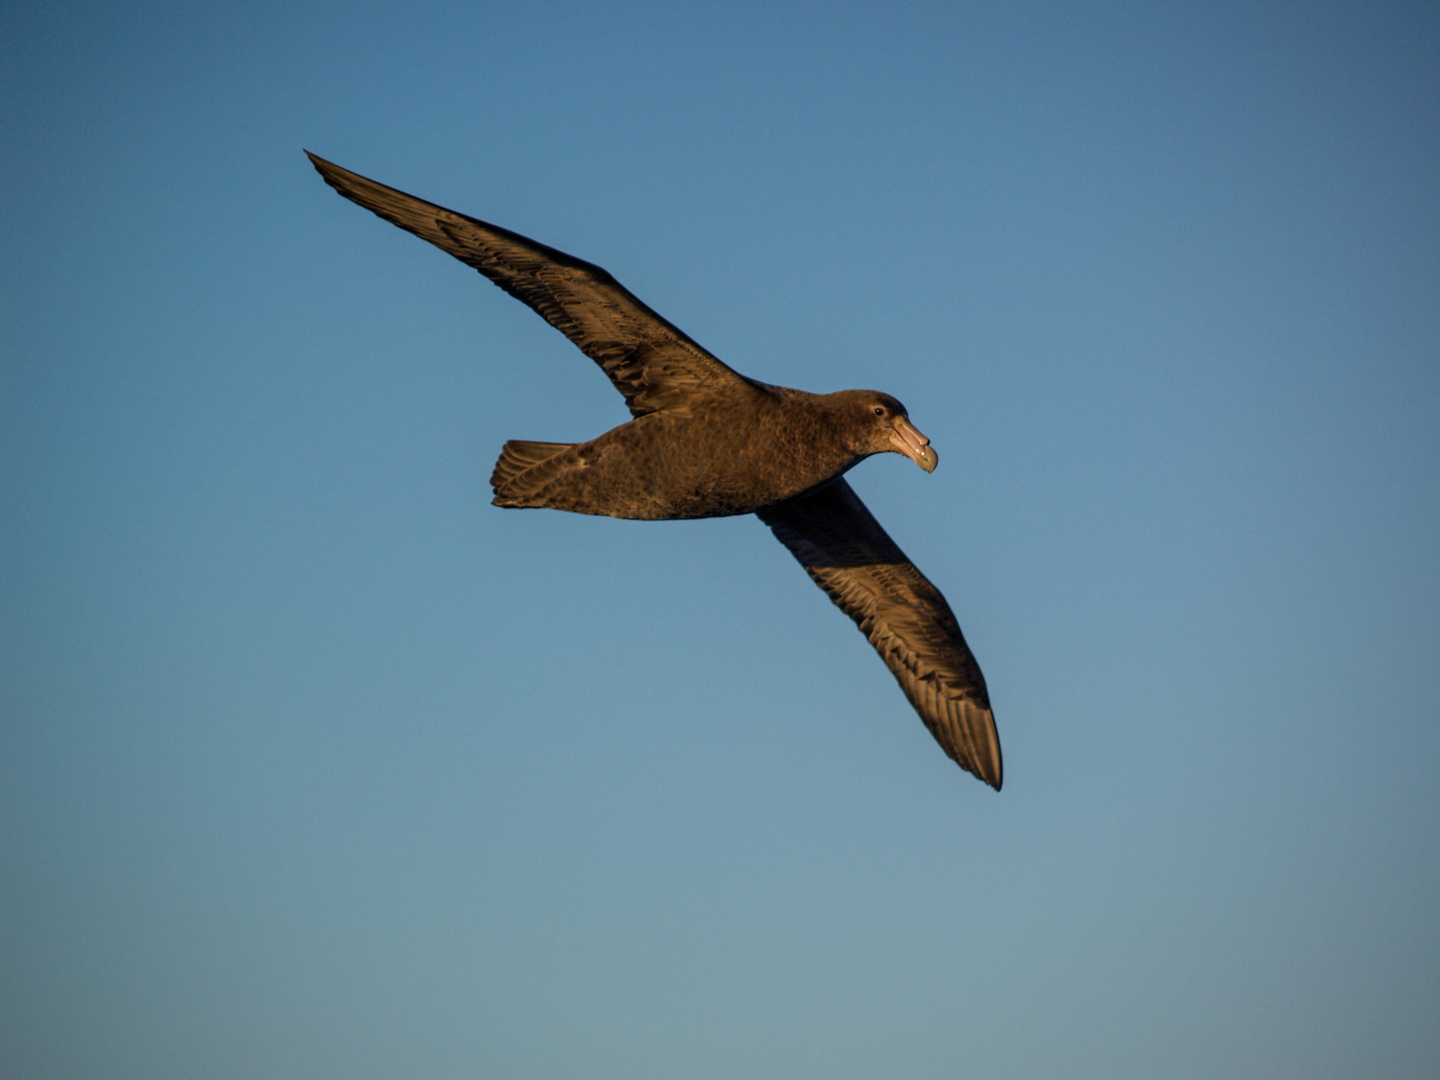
<point x="705" y="441"/>
<point x="763" y="445"/>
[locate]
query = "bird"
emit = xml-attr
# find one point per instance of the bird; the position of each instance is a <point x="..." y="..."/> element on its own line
<point x="705" y="441"/>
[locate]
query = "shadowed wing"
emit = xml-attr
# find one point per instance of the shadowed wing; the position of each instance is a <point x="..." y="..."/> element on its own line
<point x="845" y="550"/>
<point x="654" y="364"/>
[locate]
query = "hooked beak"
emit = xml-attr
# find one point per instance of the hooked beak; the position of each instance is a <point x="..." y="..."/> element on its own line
<point x="912" y="444"/>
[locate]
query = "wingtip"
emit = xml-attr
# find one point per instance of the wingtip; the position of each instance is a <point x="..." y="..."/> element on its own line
<point x="997" y="763"/>
<point x="337" y="177"/>
<point x="325" y="168"/>
<point x="993" y="779"/>
<point x="984" y="762"/>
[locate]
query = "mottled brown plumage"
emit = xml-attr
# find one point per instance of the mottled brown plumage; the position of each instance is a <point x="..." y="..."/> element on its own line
<point x="705" y="441"/>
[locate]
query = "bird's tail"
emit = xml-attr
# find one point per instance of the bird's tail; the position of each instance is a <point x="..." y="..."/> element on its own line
<point x="516" y="457"/>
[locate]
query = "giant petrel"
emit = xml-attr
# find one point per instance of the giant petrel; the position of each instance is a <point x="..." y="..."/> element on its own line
<point x="705" y="441"/>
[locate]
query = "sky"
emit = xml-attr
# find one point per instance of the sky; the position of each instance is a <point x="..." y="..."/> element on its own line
<point x="315" y="764"/>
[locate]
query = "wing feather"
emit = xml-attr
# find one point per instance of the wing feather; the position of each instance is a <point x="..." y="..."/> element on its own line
<point x="848" y="554"/>
<point x="653" y="363"/>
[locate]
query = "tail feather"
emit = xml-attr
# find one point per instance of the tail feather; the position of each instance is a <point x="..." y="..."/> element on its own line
<point x="518" y="455"/>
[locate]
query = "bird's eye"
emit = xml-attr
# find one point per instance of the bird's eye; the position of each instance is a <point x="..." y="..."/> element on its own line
<point x="879" y="410"/>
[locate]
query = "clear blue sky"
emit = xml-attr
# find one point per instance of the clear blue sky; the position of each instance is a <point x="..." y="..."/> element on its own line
<point x="314" y="764"/>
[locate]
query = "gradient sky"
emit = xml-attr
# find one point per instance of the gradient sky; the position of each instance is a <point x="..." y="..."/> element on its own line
<point x="314" y="764"/>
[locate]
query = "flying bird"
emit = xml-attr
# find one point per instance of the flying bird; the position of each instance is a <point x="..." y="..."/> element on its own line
<point x="706" y="441"/>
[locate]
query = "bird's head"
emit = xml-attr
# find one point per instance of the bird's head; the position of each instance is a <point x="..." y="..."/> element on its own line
<point x="879" y="423"/>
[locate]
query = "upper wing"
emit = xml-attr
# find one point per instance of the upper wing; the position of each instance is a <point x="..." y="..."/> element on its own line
<point x="654" y="364"/>
<point x="845" y="550"/>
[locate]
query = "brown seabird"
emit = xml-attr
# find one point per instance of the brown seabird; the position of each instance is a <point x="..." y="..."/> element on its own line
<point x="705" y="441"/>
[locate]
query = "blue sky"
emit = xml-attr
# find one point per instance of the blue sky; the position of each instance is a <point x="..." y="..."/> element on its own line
<point x="315" y="764"/>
